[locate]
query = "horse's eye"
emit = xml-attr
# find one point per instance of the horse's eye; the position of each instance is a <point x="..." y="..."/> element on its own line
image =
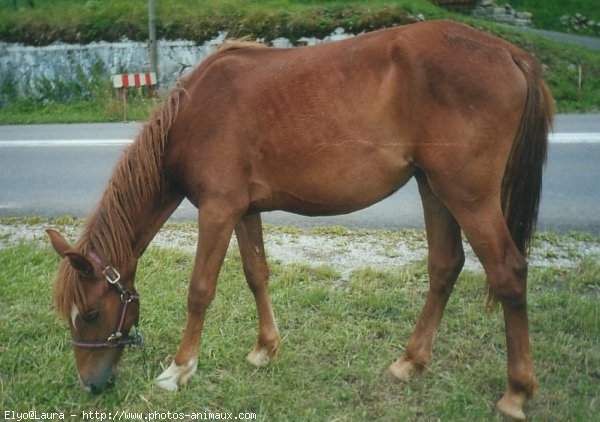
<point x="91" y="315"/>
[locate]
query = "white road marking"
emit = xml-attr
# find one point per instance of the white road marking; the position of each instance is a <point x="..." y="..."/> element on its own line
<point x="63" y="142"/>
<point x="555" y="138"/>
<point x="574" y="138"/>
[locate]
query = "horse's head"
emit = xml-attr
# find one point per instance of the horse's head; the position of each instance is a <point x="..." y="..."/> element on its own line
<point x="101" y="306"/>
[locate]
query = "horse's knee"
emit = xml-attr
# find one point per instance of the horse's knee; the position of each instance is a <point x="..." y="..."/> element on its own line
<point x="200" y="297"/>
<point x="444" y="272"/>
<point x="257" y="278"/>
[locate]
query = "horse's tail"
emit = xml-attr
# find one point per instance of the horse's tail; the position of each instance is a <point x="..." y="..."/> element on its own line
<point x="522" y="183"/>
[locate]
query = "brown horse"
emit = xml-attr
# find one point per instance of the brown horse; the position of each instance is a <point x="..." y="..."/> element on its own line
<point x="324" y="130"/>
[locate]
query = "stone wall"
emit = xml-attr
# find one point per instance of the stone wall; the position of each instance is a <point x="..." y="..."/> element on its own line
<point x="34" y="67"/>
<point x="501" y="13"/>
<point x="580" y="23"/>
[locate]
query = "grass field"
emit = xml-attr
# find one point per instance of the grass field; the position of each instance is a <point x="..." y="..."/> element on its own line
<point x="198" y="20"/>
<point x="339" y="336"/>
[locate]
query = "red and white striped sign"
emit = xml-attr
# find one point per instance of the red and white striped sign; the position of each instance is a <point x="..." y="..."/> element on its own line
<point x="134" y="79"/>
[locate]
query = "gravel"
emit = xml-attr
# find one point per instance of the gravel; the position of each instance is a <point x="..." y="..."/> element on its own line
<point x="339" y="248"/>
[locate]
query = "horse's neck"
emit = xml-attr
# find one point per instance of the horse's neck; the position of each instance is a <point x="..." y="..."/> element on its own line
<point x="150" y="222"/>
<point x="138" y="200"/>
<point x="122" y="232"/>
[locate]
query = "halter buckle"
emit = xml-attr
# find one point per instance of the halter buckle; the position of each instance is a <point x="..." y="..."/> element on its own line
<point x="111" y="274"/>
<point x="126" y="296"/>
<point x="113" y="339"/>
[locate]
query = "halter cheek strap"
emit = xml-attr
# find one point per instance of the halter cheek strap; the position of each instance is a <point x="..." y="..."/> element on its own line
<point x="117" y="338"/>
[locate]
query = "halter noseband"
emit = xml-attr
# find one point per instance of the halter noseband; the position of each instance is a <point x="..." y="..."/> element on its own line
<point x="117" y="338"/>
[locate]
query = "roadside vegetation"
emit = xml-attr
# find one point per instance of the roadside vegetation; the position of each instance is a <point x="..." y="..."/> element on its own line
<point x="548" y="13"/>
<point x="338" y="338"/>
<point x="199" y="20"/>
<point x="91" y="98"/>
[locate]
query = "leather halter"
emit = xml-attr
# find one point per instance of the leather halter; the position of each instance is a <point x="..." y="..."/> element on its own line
<point x="117" y="338"/>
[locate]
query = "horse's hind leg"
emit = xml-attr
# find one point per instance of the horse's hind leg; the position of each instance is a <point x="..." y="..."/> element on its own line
<point x="216" y="223"/>
<point x="252" y="250"/>
<point x="445" y="260"/>
<point x="506" y="270"/>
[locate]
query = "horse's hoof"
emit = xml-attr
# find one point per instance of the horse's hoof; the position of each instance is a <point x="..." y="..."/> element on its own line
<point x="167" y="384"/>
<point x="511" y="405"/>
<point x="176" y="375"/>
<point x="262" y="355"/>
<point x="402" y="370"/>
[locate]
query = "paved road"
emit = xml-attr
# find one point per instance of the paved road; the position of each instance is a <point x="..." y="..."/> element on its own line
<point x="50" y="170"/>
<point x="589" y="42"/>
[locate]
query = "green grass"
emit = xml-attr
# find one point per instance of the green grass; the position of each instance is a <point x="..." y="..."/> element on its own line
<point x="547" y="13"/>
<point x="561" y="62"/>
<point x="339" y="336"/>
<point x="561" y="73"/>
<point x="95" y="110"/>
<point x="198" y="20"/>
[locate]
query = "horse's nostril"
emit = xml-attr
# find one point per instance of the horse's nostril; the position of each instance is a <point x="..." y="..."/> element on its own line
<point x="94" y="389"/>
<point x="110" y="382"/>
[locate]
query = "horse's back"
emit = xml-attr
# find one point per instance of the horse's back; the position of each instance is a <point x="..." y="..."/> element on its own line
<point x="336" y="127"/>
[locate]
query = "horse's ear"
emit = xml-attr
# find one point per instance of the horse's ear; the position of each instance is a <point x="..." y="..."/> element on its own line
<point x="80" y="263"/>
<point x="60" y="245"/>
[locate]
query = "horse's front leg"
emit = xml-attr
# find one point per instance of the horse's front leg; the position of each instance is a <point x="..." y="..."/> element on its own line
<point x="215" y="229"/>
<point x="250" y="241"/>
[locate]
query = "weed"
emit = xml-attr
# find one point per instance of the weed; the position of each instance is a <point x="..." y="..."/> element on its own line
<point x="9" y="89"/>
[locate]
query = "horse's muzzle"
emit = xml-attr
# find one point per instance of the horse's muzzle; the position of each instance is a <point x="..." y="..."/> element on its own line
<point x="100" y="384"/>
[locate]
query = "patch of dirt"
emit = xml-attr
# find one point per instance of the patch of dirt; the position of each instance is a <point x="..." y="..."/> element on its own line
<point x="345" y="251"/>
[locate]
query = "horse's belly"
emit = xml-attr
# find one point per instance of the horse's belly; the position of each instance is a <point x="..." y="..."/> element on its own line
<point x="330" y="189"/>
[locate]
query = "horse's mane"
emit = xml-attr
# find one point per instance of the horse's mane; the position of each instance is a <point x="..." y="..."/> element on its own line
<point x="136" y="179"/>
<point x="236" y="44"/>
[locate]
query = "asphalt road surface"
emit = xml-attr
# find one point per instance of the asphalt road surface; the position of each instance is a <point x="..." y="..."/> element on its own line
<point x="52" y="170"/>
<point x="589" y="42"/>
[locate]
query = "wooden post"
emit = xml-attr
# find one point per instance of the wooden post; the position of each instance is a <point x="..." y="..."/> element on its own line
<point x="152" y="44"/>
<point x="124" y="95"/>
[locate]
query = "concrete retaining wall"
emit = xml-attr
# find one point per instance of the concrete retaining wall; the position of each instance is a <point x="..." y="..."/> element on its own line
<point x="34" y="67"/>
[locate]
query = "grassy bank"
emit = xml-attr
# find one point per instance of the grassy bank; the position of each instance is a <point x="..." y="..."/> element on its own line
<point x="562" y="64"/>
<point x="339" y="336"/>
<point x="561" y="68"/>
<point x="79" y="21"/>
<point x="198" y="20"/>
<point x="94" y="110"/>
<point x="547" y="13"/>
